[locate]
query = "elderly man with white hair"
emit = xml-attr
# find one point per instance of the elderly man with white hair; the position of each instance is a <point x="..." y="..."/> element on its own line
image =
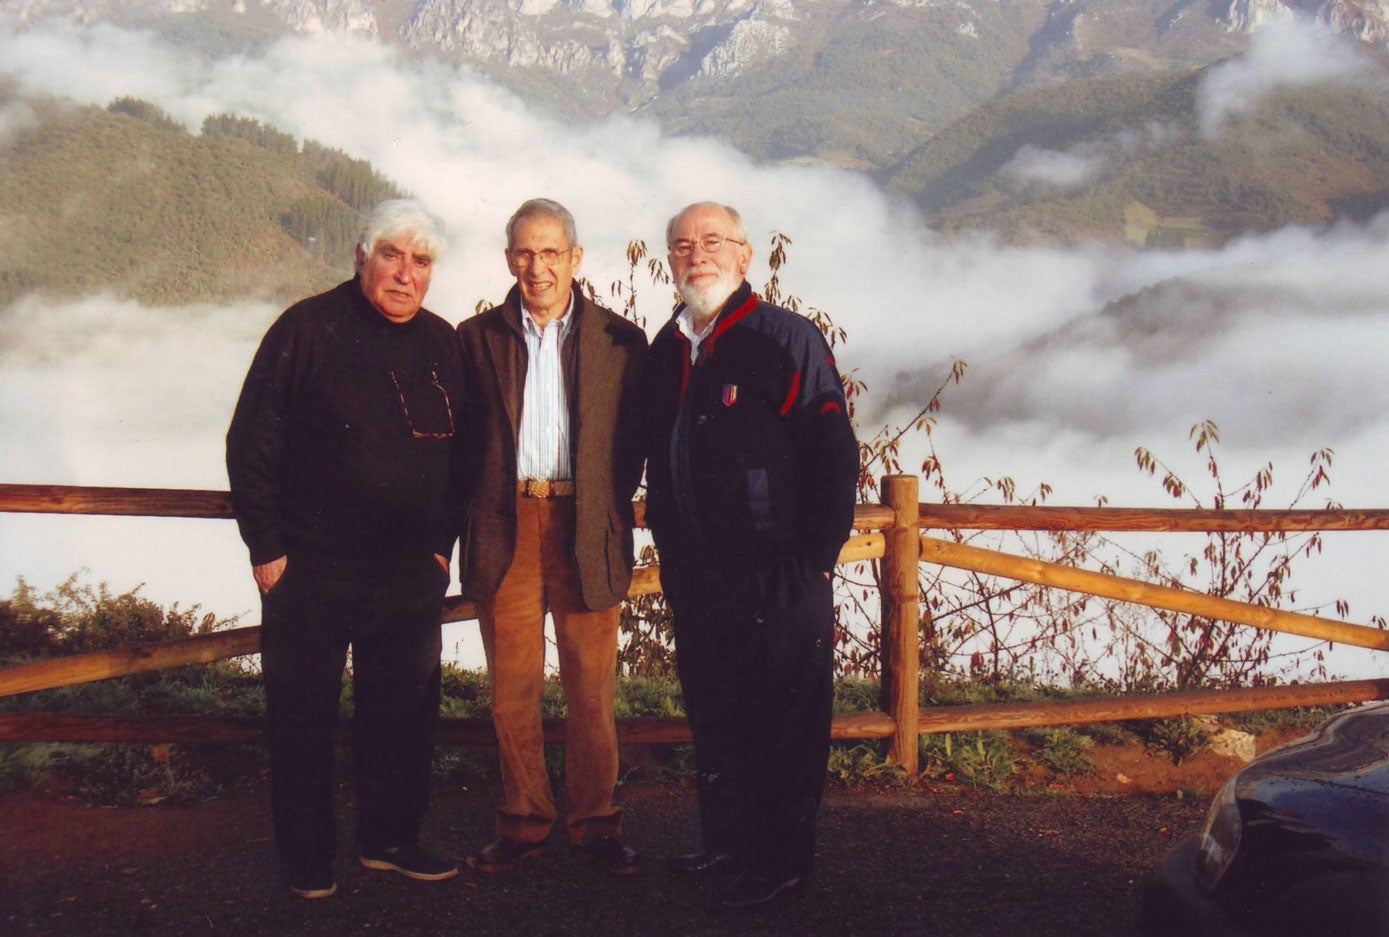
<point x="340" y="454"/>
<point x="751" y="481"/>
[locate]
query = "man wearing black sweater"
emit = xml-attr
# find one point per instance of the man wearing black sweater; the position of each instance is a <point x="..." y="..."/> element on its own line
<point x="342" y="459"/>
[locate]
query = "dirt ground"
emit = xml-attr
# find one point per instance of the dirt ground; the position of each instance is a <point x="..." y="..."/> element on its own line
<point x="1058" y="858"/>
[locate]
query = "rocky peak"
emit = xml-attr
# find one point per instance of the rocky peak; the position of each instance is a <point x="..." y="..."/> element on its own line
<point x="1249" y="15"/>
<point x="1367" y="20"/>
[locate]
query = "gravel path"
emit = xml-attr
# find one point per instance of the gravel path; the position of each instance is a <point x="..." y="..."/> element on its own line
<point x="940" y="860"/>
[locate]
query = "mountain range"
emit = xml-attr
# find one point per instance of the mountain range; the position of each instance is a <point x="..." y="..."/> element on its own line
<point x="851" y="82"/>
<point x="1130" y="158"/>
<point x="1037" y="120"/>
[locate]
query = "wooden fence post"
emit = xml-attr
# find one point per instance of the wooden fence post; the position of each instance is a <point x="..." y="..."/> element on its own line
<point x="901" y="611"/>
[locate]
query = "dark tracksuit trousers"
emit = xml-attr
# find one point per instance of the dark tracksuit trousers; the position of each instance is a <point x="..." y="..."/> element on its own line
<point x="752" y="469"/>
<point x="755" y="653"/>
<point x="390" y="617"/>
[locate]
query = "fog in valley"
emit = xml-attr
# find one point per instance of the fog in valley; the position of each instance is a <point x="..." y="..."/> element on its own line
<point x="1075" y="355"/>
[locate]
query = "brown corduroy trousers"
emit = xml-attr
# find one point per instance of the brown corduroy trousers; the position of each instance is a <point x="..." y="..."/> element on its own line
<point x="544" y="575"/>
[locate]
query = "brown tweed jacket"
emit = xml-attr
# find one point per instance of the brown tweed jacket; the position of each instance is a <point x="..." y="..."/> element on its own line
<point x="602" y="386"/>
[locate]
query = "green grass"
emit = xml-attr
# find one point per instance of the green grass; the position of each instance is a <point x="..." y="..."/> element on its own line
<point x="1062" y="749"/>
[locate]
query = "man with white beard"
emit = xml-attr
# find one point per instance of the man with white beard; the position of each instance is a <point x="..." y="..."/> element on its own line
<point x="752" y="474"/>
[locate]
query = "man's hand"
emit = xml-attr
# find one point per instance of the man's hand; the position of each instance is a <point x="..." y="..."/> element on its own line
<point x="443" y="561"/>
<point x="267" y="574"/>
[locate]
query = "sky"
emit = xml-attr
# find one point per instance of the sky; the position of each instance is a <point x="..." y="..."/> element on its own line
<point x="1075" y="355"/>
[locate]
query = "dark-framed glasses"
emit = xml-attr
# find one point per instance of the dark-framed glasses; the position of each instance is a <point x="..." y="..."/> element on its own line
<point x="710" y="244"/>
<point x="405" y="408"/>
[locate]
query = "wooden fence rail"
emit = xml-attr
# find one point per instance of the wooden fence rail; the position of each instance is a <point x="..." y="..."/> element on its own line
<point x="1168" y="598"/>
<point x="893" y="537"/>
<point x="151" y="728"/>
<point x="189" y="502"/>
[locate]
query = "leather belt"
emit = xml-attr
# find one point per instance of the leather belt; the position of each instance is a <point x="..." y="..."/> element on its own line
<point x="541" y="488"/>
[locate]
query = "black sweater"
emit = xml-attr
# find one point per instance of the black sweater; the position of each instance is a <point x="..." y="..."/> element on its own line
<point x="334" y="449"/>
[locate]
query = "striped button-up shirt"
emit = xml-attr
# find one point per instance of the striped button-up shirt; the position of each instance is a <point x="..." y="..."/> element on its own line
<point x="542" y="449"/>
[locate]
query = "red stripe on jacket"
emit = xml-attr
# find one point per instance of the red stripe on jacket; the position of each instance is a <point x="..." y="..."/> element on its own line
<point x="730" y="320"/>
<point x="791" y="397"/>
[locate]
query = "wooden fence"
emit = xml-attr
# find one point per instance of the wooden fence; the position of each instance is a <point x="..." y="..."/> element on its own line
<point x="890" y="532"/>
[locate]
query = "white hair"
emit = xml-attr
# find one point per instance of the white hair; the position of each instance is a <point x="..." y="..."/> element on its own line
<point x="403" y="216"/>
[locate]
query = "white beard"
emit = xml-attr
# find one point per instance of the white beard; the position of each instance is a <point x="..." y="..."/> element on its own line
<point x="707" y="300"/>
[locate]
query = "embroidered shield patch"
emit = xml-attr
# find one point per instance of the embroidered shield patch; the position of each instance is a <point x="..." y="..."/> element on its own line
<point x="730" y="394"/>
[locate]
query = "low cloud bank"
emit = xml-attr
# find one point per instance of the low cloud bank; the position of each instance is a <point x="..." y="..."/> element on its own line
<point x="1287" y="51"/>
<point x="1076" y="355"/>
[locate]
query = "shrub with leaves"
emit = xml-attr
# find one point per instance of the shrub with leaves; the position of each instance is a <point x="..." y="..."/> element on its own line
<point x="128" y="775"/>
<point x="1062" y="749"/>
<point x="1178" y="738"/>
<point x="1254" y="568"/>
<point x="20" y="764"/>
<point x="980" y="759"/>
<point x="857" y="764"/>
<point x="77" y="617"/>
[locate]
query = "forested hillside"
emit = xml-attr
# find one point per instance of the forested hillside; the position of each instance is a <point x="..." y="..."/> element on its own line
<point x="1082" y="159"/>
<point x="138" y="206"/>
<point x="127" y="201"/>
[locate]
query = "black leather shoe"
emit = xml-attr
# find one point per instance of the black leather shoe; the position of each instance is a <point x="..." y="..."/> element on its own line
<point x="752" y="891"/>
<point x="504" y="854"/>
<point x="611" y="855"/>
<point x="704" y="862"/>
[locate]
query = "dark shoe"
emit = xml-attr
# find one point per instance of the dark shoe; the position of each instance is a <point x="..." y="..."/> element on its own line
<point x="704" y="862"/>
<point x="504" y="854"/>
<point x="752" y="891"/>
<point x="611" y="855"/>
<point x="410" y="861"/>
<point x="312" y="882"/>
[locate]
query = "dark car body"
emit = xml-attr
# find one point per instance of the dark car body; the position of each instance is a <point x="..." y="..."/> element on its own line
<point x="1296" y="843"/>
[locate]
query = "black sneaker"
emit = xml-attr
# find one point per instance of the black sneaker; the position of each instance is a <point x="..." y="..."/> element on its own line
<point x="751" y="891"/>
<point x="410" y="861"/>
<point x="312" y="882"/>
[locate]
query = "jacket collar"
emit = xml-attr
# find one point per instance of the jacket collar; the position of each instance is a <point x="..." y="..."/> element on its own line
<point x="735" y="308"/>
<point x="513" y="309"/>
<point x="508" y="350"/>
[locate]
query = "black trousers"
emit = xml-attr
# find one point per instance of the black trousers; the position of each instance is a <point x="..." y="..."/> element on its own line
<point x="390" y="617"/>
<point x="755" y="654"/>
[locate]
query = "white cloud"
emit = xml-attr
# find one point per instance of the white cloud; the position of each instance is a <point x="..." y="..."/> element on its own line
<point x="1077" y="355"/>
<point x="1276" y="337"/>
<point x="1076" y="166"/>
<point x="1068" y="170"/>
<point x="95" y="64"/>
<point x="1286" y="51"/>
<point x="107" y="392"/>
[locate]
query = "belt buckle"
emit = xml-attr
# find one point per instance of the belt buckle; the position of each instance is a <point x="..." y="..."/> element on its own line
<point x="535" y="488"/>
